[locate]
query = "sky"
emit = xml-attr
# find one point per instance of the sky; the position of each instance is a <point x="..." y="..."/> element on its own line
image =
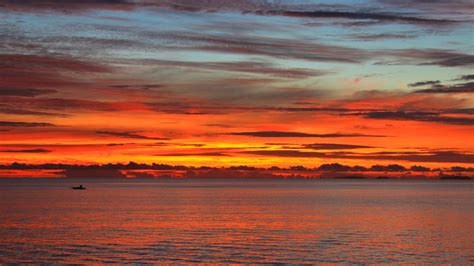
<point x="234" y="82"/>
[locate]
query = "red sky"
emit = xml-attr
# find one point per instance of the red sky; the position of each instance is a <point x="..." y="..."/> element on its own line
<point x="237" y="83"/>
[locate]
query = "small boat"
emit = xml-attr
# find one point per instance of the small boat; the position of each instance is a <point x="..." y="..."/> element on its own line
<point x="79" y="187"/>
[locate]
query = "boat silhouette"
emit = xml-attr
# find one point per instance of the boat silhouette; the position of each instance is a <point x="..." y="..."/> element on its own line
<point x="79" y="187"/>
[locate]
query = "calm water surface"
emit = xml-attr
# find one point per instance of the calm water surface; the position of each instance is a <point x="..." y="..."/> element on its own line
<point x="269" y="221"/>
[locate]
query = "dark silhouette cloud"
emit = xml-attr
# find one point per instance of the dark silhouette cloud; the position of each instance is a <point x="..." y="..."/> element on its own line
<point x="27" y="151"/>
<point x="64" y="105"/>
<point x="334" y="146"/>
<point x="424" y="83"/>
<point x="214" y="107"/>
<point x="438" y="57"/>
<point x="188" y="108"/>
<point x="256" y="7"/>
<point x="335" y="167"/>
<point x="289" y="134"/>
<point x="457" y="88"/>
<point x="438" y="7"/>
<point x="289" y="153"/>
<point x="12" y="111"/>
<point x="418" y="168"/>
<point x="381" y="17"/>
<point x="139" y="86"/>
<point x="440" y="157"/>
<point x="24" y="124"/>
<point x="381" y="36"/>
<point x="211" y="154"/>
<point x="28" y="62"/>
<point x="466" y="111"/>
<point x="67" y="5"/>
<point x="387" y="168"/>
<point x="135" y="170"/>
<point x="418" y="116"/>
<point x="45" y="70"/>
<point x="218" y="125"/>
<point x="461" y="169"/>
<point x="128" y="135"/>
<point x="24" y="92"/>
<point x="309" y="109"/>
<point x="465" y="77"/>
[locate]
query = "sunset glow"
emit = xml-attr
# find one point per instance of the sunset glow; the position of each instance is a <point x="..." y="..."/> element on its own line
<point x="228" y="83"/>
<point x="236" y="132"/>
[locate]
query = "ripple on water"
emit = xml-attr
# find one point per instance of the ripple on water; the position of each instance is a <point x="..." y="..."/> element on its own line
<point x="234" y="223"/>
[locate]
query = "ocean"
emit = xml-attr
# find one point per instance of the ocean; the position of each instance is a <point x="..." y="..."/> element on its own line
<point x="236" y="221"/>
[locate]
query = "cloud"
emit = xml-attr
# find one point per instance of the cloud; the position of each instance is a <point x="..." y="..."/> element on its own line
<point x="335" y="167"/>
<point x="418" y="116"/>
<point x="218" y="125"/>
<point x="28" y="62"/>
<point x="440" y="156"/>
<point x="425" y="57"/>
<point x="67" y="6"/>
<point x="365" y="101"/>
<point x="268" y="46"/>
<point x="135" y="170"/>
<point x="24" y="105"/>
<point x="434" y="157"/>
<point x="27" y="151"/>
<point x="128" y="135"/>
<point x="12" y="111"/>
<point x="309" y="109"/>
<point x="288" y="153"/>
<point x="424" y="83"/>
<point x="256" y="7"/>
<point x="289" y="134"/>
<point x="188" y="108"/>
<point x="457" y="88"/>
<point x="238" y="97"/>
<point x="436" y="8"/>
<point x="334" y="146"/>
<point x="23" y="124"/>
<point x="29" y="106"/>
<point x="466" y="111"/>
<point x="309" y="50"/>
<point x="465" y="77"/>
<point x="243" y="66"/>
<point x="419" y="168"/>
<point x="381" y="36"/>
<point x="204" y="154"/>
<point x="432" y="16"/>
<point x="22" y="70"/>
<point x="23" y="92"/>
<point x="379" y="16"/>
<point x="211" y="88"/>
<point x="387" y="168"/>
<point x="139" y="86"/>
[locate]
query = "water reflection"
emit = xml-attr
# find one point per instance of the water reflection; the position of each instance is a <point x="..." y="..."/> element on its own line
<point x="298" y="221"/>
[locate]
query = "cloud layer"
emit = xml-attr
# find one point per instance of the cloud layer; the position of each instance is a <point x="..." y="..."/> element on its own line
<point x="236" y="83"/>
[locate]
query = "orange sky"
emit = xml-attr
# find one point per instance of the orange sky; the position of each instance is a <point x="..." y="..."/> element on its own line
<point x="89" y="83"/>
